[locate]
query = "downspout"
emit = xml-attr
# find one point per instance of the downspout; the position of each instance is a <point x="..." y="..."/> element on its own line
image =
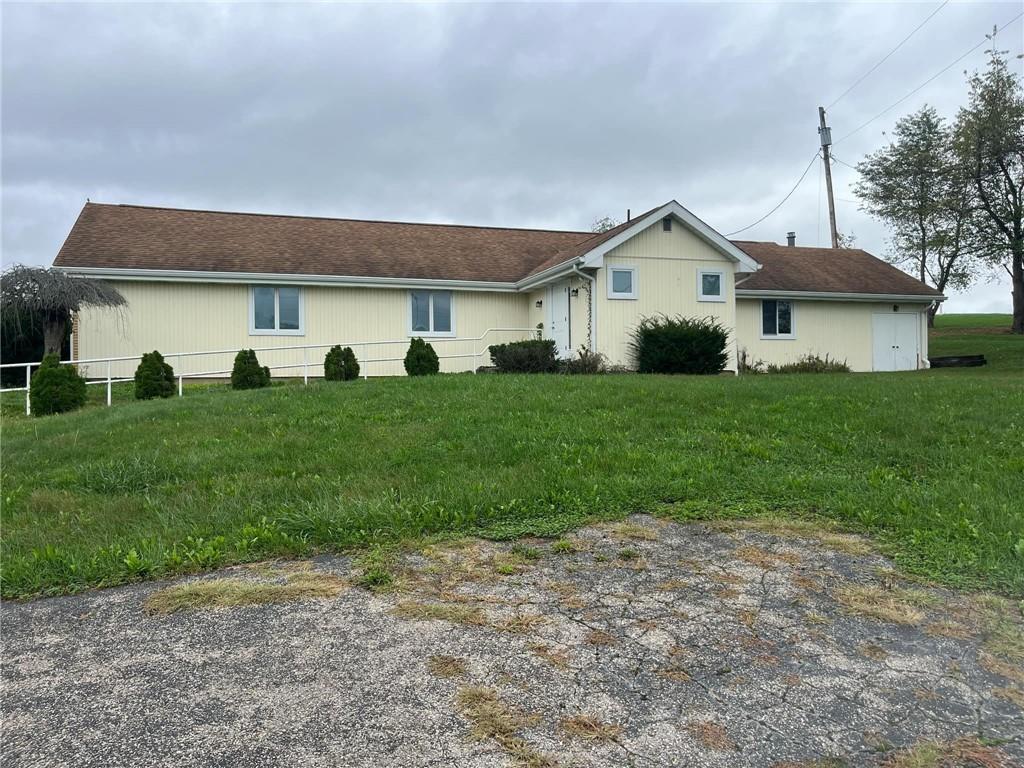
<point x="591" y="341"/>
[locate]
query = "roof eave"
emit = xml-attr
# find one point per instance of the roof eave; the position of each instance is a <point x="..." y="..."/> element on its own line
<point x="198" y="276"/>
<point x="755" y="293"/>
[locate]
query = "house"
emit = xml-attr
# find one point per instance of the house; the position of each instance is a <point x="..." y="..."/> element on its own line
<point x="204" y="280"/>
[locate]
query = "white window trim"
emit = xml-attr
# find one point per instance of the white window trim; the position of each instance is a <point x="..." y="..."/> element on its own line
<point x="431" y="334"/>
<point x="632" y="281"/>
<point x="792" y="321"/>
<point x="254" y="331"/>
<point x="701" y="296"/>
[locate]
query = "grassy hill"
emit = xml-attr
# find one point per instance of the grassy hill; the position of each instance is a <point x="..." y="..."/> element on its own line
<point x="929" y="462"/>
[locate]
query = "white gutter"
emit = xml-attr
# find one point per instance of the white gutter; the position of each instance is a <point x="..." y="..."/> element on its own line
<point x="592" y="336"/>
<point x="565" y="268"/>
<point x="751" y="293"/>
<point x="250" y="278"/>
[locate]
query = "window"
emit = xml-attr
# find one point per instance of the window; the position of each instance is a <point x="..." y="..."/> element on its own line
<point x="776" y="319"/>
<point x="666" y="224"/>
<point x="622" y="283"/>
<point x="710" y="285"/>
<point x="430" y="313"/>
<point x="275" y="311"/>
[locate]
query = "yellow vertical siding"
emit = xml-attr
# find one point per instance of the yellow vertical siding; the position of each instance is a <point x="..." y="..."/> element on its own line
<point x="188" y="317"/>
<point x="840" y="329"/>
<point x="667" y="265"/>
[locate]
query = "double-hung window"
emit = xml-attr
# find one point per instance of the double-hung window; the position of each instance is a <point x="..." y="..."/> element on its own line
<point x="621" y="283"/>
<point x="710" y="285"/>
<point x="776" y="319"/>
<point x="275" y="310"/>
<point x="430" y="313"/>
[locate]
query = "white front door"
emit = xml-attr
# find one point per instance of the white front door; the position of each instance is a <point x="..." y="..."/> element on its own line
<point x="558" y="318"/>
<point x="896" y="341"/>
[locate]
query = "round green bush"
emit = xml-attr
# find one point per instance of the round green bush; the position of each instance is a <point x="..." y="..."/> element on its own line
<point x="421" y="359"/>
<point x="154" y="377"/>
<point x="680" y="345"/>
<point x="56" y="388"/>
<point x="247" y="372"/>
<point x="341" y="364"/>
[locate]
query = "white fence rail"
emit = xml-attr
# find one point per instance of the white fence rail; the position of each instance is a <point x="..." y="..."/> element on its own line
<point x="479" y="349"/>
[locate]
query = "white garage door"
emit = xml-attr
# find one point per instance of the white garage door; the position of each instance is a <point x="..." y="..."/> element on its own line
<point x="896" y="341"/>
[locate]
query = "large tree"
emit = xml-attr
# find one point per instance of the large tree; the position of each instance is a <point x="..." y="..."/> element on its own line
<point x="990" y="143"/>
<point x="50" y="297"/>
<point x="916" y="187"/>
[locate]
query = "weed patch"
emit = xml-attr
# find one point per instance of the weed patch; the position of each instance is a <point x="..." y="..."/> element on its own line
<point x="233" y="592"/>
<point x="492" y="719"/>
<point x="897" y="606"/>
<point x="446" y="666"/>
<point x="590" y="728"/>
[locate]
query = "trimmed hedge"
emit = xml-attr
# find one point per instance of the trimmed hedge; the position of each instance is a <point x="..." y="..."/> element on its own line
<point x="56" y="388"/>
<point x="421" y="359"/>
<point x="531" y="356"/>
<point x="665" y="344"/>
<point x="341" y="364"/>
<point x="154" y="377"/>
<point x="247" y="372"/>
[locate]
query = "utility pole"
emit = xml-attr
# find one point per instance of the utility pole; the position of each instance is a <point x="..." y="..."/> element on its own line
<point x="826" y="141"/>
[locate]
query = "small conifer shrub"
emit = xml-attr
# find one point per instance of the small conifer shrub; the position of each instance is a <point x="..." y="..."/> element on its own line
<point x="154" y="377"/>
<point x="247" y="372"/>
<point x="56" y="388"/>
<point x="341" y="364"/>
<point x="421" y="359"/>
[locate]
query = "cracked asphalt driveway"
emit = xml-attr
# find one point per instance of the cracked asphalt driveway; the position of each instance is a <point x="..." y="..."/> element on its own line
<point x="646" y="643"/>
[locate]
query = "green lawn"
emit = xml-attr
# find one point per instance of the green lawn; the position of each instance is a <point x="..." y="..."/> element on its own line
<point x="987" y="335"/>
<point x="930" y="462"/>
<point x="943" y="322"/>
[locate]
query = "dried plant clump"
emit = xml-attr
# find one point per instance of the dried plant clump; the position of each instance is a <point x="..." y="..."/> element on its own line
<point x="553" y="656"/>
<point x="234" y="592"/>
<point x="711" y="734"/>
<point x="590" y="728"/>
<point x="600" y="637"/>
<point x="492" y="719"/>
<point x="965" y="752"/>
<point x="456" y="614"/>
<point x="446" y="666"/>
<point x="896" y="606"/>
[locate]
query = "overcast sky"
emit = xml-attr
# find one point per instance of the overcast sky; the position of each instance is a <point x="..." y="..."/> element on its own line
<point x="516" y="115"/>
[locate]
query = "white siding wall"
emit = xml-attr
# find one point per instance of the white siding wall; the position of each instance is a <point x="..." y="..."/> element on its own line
<point x="186" y="317"/>
<point x="667" y="265"/>
<point x="839" y="329"/>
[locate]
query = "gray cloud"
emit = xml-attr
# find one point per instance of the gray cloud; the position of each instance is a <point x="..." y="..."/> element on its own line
<point x="524" y="115"/>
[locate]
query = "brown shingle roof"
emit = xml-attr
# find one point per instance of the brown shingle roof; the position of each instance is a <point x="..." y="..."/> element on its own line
<point x="576" y="250"/>
<point x="136" y="237"/>
<point x="825" y="270"/>
<point x="139" y="237"/>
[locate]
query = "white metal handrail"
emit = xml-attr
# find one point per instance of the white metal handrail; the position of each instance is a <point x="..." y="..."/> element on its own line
<point x="476" y="354"/>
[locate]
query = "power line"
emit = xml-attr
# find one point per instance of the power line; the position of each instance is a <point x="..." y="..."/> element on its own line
<point x="922" y="85"/>
<point x="788" y="195"/>
<point x="890" y="53"/>
<point x="843" y="162"/>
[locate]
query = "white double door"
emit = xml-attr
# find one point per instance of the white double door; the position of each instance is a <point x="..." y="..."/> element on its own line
<point x="559" y="318"/>
<point x="896" y="341"/>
